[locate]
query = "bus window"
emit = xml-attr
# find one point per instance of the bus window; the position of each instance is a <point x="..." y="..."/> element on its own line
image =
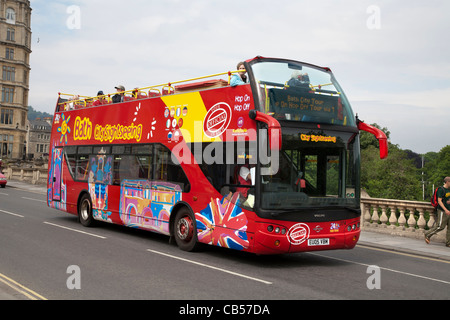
<point x="315" y="169"/>
<point x="82" y="163"/>
<point x="82" y="167"/>
<point x="128" y="167"/>
<point x="101" y="150"/>
<point x="222" y="164"/>
<point x="142" y="149"/>
<point x="332" y="179"/>
<point x="167" y="170"/>
<point x="132" y="163"/>
<point x="311" y="170"/>
<point x="293" y="91"/>
<point x="145" y="166"/>
<point x="121" y="150"/>
<point x="71" y="158"/>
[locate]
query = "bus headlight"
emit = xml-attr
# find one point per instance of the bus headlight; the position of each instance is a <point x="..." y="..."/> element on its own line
<point x="271" y="228"/>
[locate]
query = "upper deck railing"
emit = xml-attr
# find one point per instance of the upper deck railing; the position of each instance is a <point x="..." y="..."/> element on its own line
<point x="68" y="101"/>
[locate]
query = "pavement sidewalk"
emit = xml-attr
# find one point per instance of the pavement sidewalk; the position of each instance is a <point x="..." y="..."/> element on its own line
<point x="371" y="239"/>
<point x="405" y="245"/>
<point x="38" y="188"/>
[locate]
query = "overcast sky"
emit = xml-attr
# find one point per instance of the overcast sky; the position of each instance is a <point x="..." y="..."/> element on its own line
<point x="391" y="57"/>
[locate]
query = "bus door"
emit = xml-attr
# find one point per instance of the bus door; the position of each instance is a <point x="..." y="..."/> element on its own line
<point x="56" y="173"/>
<point x="322" y="173"/>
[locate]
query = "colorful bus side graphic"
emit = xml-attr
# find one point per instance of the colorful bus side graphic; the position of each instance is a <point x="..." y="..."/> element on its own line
<point x="148" y="204"/>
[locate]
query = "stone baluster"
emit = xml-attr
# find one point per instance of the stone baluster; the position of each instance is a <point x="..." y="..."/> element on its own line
<point x="411" y="220"/>
<point x="421" y="222"/>
<point x="393" y="216"/>
<point x="375" y="216"/>
<point x="402" y="218"/>
<point x="384" y="217"/>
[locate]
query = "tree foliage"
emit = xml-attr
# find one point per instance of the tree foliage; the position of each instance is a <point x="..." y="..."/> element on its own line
<point x="436" y="167"/>
<point x="33" y="114"/>
<point x="405" y="174"/>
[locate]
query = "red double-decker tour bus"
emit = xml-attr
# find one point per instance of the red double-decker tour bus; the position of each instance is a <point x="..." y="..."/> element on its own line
<point x="268" y="165"/>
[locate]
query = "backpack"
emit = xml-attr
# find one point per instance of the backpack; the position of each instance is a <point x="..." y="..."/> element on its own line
<point x="434" y="200"/>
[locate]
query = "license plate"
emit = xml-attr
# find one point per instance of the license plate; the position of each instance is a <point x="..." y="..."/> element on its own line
<point x="318" y="242"/>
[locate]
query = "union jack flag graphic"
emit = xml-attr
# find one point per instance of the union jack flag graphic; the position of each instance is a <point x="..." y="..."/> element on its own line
<point x="222" y="223"/>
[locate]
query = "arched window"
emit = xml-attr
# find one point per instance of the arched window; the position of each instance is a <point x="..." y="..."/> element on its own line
<point x="10" y="15"/>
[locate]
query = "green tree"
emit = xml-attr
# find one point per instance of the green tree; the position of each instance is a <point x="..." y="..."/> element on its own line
<point x="33" y="114"/>
<point x="395" y="177"/>
<point x="437" y="167"/>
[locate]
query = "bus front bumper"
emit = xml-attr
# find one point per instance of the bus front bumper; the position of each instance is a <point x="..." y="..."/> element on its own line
<point x="282" y="237"/>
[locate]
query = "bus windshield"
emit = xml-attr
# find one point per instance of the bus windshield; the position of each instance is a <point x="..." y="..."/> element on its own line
<point x="301" y="92"/>
<point x="317" y="168"/>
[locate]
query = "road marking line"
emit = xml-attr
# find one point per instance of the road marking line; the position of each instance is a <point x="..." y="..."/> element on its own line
<point x="79" y="231"/>
<point x="20" y="288"/>
<point x="12" y="214"/>
<point x="403" y="254"/>
<point x="210" y="267"/>
<point x="387" y="269"/>
<point x="34" y="199"/>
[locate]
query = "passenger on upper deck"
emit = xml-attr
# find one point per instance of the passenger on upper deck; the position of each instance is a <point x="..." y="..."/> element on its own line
<point x="239" y="78"/>
<point x="72" y="103"/>
<point x="100" y="100"/>
<point x="119" y="96"/>
<point x="299" y="80"/>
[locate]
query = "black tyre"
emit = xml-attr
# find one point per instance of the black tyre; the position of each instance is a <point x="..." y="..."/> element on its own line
<point x="185" y="230"/>
<point x="85" y="211"/>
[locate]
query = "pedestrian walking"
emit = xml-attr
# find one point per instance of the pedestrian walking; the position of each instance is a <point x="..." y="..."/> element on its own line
<point x="443" y="212"/>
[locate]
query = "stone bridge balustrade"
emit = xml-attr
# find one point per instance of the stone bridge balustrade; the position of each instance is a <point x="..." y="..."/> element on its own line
<point x="398" y="217"/>
<point x="31" y="175"/>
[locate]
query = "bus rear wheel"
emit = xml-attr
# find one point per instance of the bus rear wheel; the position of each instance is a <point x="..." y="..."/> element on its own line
<point x="185" y="231"/>
<point x="85" y="211"/>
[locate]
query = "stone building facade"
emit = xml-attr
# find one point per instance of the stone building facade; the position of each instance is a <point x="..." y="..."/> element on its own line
<point x="15" y="50"/>
<point x="38" y="139"/>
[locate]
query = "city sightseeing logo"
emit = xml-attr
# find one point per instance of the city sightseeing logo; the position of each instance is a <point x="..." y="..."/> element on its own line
<point x="298" y="234"/>
<point x="85" y="130"/>
<point x="217" y="120"/>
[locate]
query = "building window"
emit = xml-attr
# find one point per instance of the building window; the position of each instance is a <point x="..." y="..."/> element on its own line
<point x="10" y="34"/>
<point x="10" y="16"/>
<point x="9" y="54"/>
<point x="5" y="147"/>
<point x="9" y="73"/>
<point x="7" y="94"/>
<point x="6" y="116"/>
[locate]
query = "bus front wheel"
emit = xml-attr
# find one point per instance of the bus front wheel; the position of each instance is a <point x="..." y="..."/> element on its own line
<point x="185" y="231"/>
<point x="85" y="211"/>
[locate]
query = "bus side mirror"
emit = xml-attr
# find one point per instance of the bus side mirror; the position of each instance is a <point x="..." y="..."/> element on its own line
<point x="380" y="135"/>
<point x="273" y="126"/>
